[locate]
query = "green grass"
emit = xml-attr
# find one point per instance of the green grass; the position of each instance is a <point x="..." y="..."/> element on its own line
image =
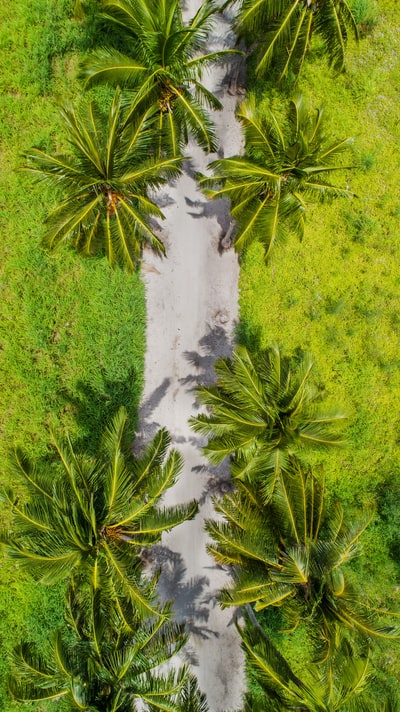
<point x="337" y="295"/>
<point x="72" y="331"/>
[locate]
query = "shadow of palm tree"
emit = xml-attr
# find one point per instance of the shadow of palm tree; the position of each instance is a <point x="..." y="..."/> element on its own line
<point x="218" y="480"/>
<point x="148" y="427"/>
<point x="214" y="344"/>
<point x="94" y="406"/>
<point x="190" y="602"/>
<point x="218" y="209"/>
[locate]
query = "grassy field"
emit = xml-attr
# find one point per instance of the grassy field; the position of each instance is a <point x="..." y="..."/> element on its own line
<point x="337" y="295"/>
<point x="71" y="330"/>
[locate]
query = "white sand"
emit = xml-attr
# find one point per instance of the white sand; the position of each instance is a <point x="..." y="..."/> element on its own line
<point x="192" y="307"/>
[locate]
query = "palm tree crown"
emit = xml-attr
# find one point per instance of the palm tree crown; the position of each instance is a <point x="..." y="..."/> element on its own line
<point x="163" y="67"/>
<point x="339" y="685"/>
<point x="284" y="29"/>
<point x="283" y="169"/>
<point x="105" y="181"/>
<point x="264" y="410"/>
<point x="99" y="664"/>
<point x="92" y="522"/>
<point x="291" y="554"/>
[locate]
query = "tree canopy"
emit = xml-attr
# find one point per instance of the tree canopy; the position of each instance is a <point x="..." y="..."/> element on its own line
<point x="98" y="663"/>
<point x="163" y="69"/>
<point x="340" y="684"/>
<point x="104" y="182"/>
<point x="287" y="164"/>
<point x="280" y="31"/>
<point x="91" y="521"/>
<point x="264" y="409"/>
<point x="292" y="553"/>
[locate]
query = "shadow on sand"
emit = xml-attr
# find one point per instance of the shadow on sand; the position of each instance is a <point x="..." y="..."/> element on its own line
<point x="191" y="603"/>
<point x="215" y="344"/>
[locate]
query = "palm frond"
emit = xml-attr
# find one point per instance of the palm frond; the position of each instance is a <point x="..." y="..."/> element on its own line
<point x="101" y="512"/>
<point x="340" y="683"/>
<point x="284" y="166"/>
<point x="106" y="205"/>
<point x="113" y="67"/>
<point x="163" y="69"/>
<point x="281" y="32"/>
<point x="99" y="655"/>
<point x="258" y="410"/>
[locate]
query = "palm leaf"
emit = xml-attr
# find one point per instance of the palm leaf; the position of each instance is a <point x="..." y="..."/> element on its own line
<point x="105" y="205"/>
<point x="99" y="508"/>
<point x="283" y="167"/>
<point x="109" y="65"/>
<point x="280" y="31"/>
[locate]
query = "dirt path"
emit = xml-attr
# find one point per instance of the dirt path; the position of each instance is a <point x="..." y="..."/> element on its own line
<point x="192" y="309"/>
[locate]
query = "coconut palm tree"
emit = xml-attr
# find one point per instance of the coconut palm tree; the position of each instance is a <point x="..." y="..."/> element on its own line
<point x="90" y="522"/>
<point x="339" y="685"/>
<point x="292" y="554"/>
<point x="285" y="166"/>
<point x="280" y="31"/>
<point x="104" y="181"/>
<point x="163" y="68"/>
<point x="99" y="664"/>
<point x="264" y="410"/>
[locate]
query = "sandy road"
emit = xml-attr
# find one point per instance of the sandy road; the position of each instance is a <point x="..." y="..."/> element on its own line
<point x="192" y="307"/>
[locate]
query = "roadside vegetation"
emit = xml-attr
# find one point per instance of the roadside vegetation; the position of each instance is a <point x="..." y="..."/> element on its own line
<point x="336" y="294"/>
<point x="310" y="531"/>
<point x="71" y="330"/>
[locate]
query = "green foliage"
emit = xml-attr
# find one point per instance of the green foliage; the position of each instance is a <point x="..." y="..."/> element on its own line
<point x="388" y="497"/>
<point x="90" y="523"/>
<point x="265" y="411"/>
<point x="337" y="296"/>
<point x="341" y="683"/>
<point x="291" y="553"/>
<point x="56" y="36"/>
<point x="104" y="183"/>
<point x="162" y="68"/>
<point x="37" y="40"/>
<point x="284" y="31"/>
<point x="98" y="663"/>
<point x="365" y="13"/>
<point x="71" y="331"/>
<point x="72" y="344"/>
<point x="26" y="612"/>
<point x="287" y="165"/>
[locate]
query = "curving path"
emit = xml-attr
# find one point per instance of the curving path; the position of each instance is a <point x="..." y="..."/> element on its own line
<point x="192" y="307"/>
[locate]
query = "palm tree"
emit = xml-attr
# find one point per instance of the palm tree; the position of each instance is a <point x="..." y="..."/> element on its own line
<point x="284" y="167"/>
<point x="90" y="522"/>
<point x="264" y="411"/>
<point x="163" y="67"/>
<point x="99" y="664"/>
<point x="105" y="182"/>
<point x="291" y="554"/>
<point x="340" y="684"/>
<point x="281" y="31"/>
